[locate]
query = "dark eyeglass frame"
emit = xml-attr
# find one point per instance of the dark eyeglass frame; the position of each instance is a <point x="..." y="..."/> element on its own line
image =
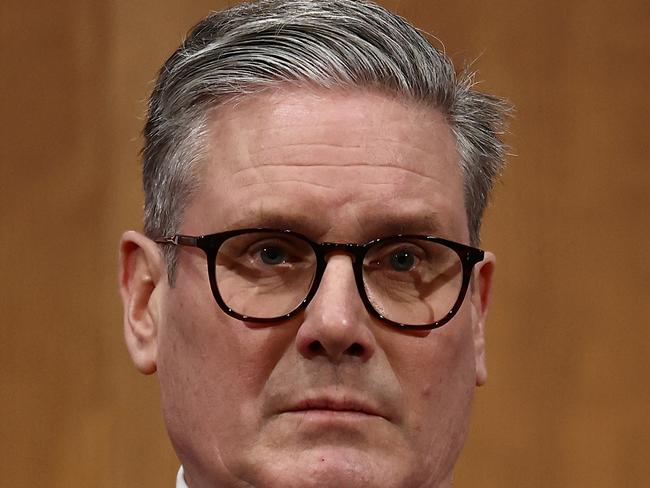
<point x="211" y="243"/>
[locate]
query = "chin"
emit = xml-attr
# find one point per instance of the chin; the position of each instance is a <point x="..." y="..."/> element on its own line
<point x="337" y="467"/>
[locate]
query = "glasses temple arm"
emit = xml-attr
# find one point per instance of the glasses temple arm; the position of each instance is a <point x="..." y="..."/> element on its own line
<point x="178" y="240"/>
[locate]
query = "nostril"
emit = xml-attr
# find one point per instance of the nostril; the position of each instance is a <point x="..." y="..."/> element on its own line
<point x="316" y="347"/>
<point x="355" y="349"/>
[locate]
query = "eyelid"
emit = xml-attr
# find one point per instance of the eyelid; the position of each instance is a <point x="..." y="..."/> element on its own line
<point x="291" y="247"/>
<point x="397" y="245"/>
<point x="274" y="240"/>
<point x="379" y="258"/>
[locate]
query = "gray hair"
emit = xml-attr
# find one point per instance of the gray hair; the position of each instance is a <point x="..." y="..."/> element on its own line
<point x="323" y="43"/>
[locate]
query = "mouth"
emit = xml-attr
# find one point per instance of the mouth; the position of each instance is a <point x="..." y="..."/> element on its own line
<point x="334" y="407"/>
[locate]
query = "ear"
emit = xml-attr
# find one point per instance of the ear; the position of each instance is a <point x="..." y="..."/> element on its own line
<point x="141" y="271"/>
<point x="481" y="291"/>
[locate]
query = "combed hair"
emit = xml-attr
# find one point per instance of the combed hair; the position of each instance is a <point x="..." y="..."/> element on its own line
<point x="317" y="43"/>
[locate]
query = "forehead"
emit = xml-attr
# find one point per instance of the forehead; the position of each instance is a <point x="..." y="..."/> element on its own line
<point x="282" y="159"/>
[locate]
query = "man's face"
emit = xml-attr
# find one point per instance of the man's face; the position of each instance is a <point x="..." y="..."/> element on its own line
<point x="341" y="167"/>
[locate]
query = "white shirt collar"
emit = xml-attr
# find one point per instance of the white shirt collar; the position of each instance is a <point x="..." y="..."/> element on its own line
<point x="180" y="480"/>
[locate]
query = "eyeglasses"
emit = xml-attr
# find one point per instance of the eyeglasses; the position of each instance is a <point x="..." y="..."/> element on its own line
<point x="269" y="275"/>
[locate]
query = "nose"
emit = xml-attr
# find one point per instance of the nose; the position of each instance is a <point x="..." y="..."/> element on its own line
<point x="336" y="323"/>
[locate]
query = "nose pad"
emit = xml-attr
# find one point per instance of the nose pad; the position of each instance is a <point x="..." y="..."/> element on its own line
<point x="336" y="322"/>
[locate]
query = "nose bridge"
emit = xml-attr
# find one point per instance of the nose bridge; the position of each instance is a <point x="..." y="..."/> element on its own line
<point x="336" y="322"/>
<point x="338" y="282"/>
<point x="354" y="252"/>
<point x="327" y="249"/>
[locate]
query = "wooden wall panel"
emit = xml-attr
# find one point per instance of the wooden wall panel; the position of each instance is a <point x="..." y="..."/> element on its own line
<point x="566" y="403"/>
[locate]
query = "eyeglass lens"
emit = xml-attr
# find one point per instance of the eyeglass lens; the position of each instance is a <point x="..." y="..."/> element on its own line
<point x="267" y="275"/>
<point x="413" y="282"/>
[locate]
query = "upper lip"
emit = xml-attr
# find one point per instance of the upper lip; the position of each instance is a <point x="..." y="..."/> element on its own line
<point x="335" y="403"/>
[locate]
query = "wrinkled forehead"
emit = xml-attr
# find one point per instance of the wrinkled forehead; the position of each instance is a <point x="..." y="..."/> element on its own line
<point x="319" y="114"/>
<point x="341" y="154"/>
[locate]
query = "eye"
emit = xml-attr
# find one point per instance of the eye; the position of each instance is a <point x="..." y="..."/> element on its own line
<point x="278" y="251"/>
<point x="396" y="257"/>
<point x="273" y="255"/>
<point x="402" y="260"/>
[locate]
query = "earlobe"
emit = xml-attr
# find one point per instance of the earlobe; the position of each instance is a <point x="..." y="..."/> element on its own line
<point x="480" y="304"/>
<point x="141" y="272"/>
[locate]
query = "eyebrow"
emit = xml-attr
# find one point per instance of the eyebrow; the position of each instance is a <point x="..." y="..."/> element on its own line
<point x="373" y="226"/>
<point x="390" y="224"/>
<point x="295" y="221"/>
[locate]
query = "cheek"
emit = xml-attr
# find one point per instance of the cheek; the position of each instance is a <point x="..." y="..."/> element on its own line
<point x="437" y="376"/>
<point x="202" y="349"/>
<point x="192" y="367"/>
<point x="212" y="370"/>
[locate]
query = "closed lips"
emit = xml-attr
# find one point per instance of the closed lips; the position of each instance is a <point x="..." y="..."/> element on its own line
<point x="336" y="405"/>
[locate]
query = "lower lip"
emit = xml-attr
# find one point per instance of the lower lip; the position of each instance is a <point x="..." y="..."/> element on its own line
<point x="331" y="416"/>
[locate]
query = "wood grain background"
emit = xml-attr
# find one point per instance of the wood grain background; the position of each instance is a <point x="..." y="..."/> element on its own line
<point x="567" y="401"/>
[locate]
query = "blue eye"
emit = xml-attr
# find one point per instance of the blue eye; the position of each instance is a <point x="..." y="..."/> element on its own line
<point x="273" y="255"/>
<point x="402" y="261"/>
